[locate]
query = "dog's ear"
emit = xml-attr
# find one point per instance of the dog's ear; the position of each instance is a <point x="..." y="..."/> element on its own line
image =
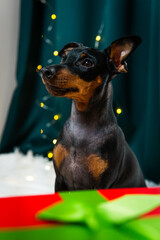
<point x="119" y="51"/>
<point x="69" y="47"/>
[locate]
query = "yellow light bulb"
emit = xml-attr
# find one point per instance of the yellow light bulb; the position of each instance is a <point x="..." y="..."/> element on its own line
<point x="42" y="104"/>
<point x="41" y="131"/>
<point x="56" y="117"/>
<point x="119" y="110"/>
<point x="54" y="141"/>
<point x="53" y="16"/>
<point x="50" y="155"/>
<point x="55" y="53"/>
<point x="98" y="38"/>
<point x="39" y="67"/>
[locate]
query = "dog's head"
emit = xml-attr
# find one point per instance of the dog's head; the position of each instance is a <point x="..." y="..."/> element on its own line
<point x="83" y="69"/>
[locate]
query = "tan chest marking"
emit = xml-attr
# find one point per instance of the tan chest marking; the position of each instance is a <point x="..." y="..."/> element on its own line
<point x="96" y="165"/>
<point x="59" y="154"/>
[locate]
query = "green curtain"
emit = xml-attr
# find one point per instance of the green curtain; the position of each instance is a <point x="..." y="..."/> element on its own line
<point x="136" y="93"/>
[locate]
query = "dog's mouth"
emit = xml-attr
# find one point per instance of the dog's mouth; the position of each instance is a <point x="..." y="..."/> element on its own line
<point x="60" y="84"/>
<point x="59" y="91"/>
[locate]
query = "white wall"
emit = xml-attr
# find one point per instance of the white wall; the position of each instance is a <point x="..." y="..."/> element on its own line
<point x="9" y="27"/>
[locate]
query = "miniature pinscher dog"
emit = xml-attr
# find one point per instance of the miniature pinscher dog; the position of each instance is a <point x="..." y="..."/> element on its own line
<point x="91" y="151"/>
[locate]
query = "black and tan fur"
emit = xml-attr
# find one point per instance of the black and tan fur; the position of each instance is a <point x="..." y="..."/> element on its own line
<point x="91" y="151"/>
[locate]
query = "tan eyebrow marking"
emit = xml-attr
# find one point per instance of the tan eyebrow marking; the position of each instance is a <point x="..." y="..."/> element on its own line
<point x="83" y="55"/>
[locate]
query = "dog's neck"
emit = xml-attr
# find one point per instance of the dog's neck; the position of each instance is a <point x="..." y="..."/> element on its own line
<point x="99" y="111"/>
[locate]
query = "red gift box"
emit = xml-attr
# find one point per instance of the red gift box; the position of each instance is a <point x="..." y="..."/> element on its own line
<point x="18" y="215"/>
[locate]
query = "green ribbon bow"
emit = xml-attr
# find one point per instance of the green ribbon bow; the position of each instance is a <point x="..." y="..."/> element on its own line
<point x="117" y="218"/>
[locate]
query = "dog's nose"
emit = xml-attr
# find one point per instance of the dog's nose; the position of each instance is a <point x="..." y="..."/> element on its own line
<point x="47" y="72"/>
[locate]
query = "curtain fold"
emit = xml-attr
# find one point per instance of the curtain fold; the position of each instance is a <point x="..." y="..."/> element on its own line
<point x="30" y="126"/>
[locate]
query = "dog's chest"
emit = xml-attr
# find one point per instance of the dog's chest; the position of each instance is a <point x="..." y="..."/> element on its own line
<point x="79" y="160"/>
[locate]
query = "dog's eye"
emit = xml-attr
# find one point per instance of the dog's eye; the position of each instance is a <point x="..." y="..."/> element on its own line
<point x="87" y="63"/>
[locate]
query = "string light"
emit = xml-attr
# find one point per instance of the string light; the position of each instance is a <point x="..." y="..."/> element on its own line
<point x="119" y="110"/>
<point x="50" y="155"/>
<point x="56" y="117"/>
<point x="54" y="141"/>
<point x="53" y="16"/>
<point x="38" y="68"/>
<point x="45" y="98"/>
<point x="43" y="1"/>
<point x="50" y="61"/>
<point x="42" y="104"/>
<point x="49" y="28"/>
<point x="55" y="53"/>
<point x="48" y="41"/>
<point x="44" y="136"/>
<point x="98" y="38"/>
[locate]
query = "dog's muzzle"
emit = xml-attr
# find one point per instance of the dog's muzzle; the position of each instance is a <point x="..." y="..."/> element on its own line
<point x="47" y="72"/>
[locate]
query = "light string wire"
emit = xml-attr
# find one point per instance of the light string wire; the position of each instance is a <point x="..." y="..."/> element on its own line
<point x="44" y="101"/>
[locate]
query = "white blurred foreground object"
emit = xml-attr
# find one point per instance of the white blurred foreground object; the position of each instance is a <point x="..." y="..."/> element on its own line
<point x="28" y="175"/>
<point x="25" y="174"/>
